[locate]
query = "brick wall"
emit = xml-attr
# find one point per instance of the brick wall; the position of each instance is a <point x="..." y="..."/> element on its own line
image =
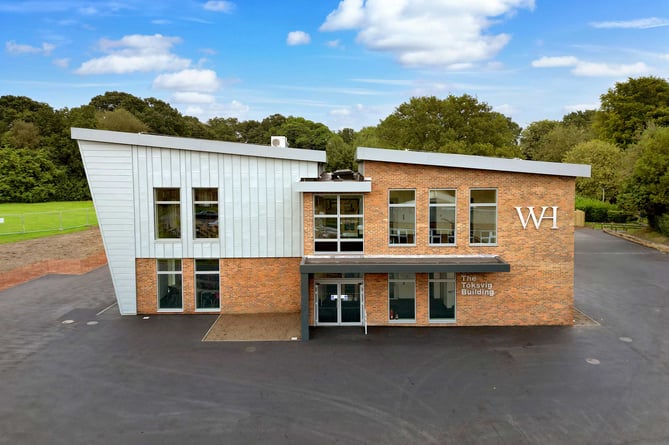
<point x="539" y="288"/>
<point x="247" y="285"/>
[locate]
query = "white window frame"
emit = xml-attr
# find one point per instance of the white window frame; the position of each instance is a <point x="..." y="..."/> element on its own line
<point x="455" y="293"/>
<point x="339" y="217"/>
<point x="495" y="205"/>
<point x="397" y="280"/>
<point x="207" y="272"/>
<point x="454" y="206"/>
<point x="399" y="234"/>
<point x="169" y="272"/>
<point x="218" y="211"/>
<point x="155" y="213"/>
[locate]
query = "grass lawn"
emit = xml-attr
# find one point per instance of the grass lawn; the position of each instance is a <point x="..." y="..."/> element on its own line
<point x="28" y="221"/>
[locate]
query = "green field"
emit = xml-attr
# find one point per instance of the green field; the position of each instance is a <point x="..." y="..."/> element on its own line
<point x="28" y="221"/>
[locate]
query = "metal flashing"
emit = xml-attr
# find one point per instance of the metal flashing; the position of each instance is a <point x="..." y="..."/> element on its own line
<point x="403" y="263"/>
<point x="333" y="186"/>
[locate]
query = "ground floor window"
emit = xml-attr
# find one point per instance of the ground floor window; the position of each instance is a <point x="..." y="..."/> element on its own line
<point x="169" y="284"/>
<point x="442" y="296"/>
<point x="402" y="296"/>
<point x="207" y="283"/>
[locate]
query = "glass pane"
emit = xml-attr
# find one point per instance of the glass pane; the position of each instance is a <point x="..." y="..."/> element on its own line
<point x="171" y="194"/>
<point x="208" y="194"/>
<point x="442" y="196"/>
<point x="206" y="265"/>
<point x="206" y="220"/>
<point x="326" y="228"/>
<point x="169" y="265"/>
<point x="442" y="225"/>
<point x="351" y="227"/>
<point x="350" y="303"/>
<point x="407" y="197"/>
<point x="442" y="300"/>
<point x="168" y="220"/>
<point x="325" y="205"/>
<point x="442" y="276"/>
<point x="351" y="205"/>
<point x="327" y="303"/>
<point x="326" y="246"/>
<point x="483" y="196"/>
<point x="402" y="225"/>
<point x="402" y="299"/>
<point x="351" y="246"/>
<point x="483" y="226"/>
<point x="207" y="290"/>
<point x="169" y="291"/>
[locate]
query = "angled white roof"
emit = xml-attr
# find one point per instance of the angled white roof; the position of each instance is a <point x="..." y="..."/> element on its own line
<point x="179" y="143"/>
<point x="472" y="162"/>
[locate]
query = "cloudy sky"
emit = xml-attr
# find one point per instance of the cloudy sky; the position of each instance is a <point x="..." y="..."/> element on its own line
<point x="344" y="63"/>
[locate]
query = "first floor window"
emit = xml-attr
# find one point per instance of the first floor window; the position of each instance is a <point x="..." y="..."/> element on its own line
<point x="442" y="296"/>
<point x="338" y="223"/>
<point x="402" y="217"/>
<point x="168" y="213"/>
<point x="402" y="296"/>
<point x="483" y="216"/>
<point x="169" y="284"/>
<point x="207" y="284"/>
<point x="205" y="206"/>
<point x="442" y="217"/>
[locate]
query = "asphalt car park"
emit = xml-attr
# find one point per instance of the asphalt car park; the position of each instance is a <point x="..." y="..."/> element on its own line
<point x="73" y="371"/>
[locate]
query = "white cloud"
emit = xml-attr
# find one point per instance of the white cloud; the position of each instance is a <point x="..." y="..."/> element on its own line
<point x="555" y="62"/>
<point x="298" y="38"/>
<point x="135" y="53"/>
<point x="191" y="97"/>
<point x="333" y="44"/>
<point x="219" y="6"/>
<point x="204" y="81"/>
<point x="505" y="109"/>
<point x="446" y="33"/>
<point x="340" y="112"/>
<point x="651" y="22"/>
<point x="16" y="48"/>
<point x="62" y="63"/>
<point x="580" y="107"/>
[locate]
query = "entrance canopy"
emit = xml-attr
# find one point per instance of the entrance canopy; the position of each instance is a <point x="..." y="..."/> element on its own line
<point x="403" y="263"/>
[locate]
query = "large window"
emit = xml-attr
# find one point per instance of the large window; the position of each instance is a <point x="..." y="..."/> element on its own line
<point x="207" y="284"/>
<point x="402" y="296"/>
<point x="442" y="296"/>
<point x="338" y="223"/>
<point x="483" y="216"/>
<point x="169" y="285"/>
<point x="402" y="217"/>
<point x="168" y="213"/>
<point x="205" y="209"/>
<point x="442" y="217"/>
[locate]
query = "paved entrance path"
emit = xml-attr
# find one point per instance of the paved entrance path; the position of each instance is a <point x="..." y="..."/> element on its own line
<point x="135" y="381"/>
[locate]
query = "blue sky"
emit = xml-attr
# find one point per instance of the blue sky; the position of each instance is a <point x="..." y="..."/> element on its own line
<point x="344" y="63"/>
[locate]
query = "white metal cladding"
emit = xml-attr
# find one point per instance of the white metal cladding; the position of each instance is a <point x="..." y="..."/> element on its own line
<point x="259" y="212"/>
<point x="109" y="170"/>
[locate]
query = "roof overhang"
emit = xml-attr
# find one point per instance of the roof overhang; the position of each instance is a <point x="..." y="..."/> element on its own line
<point x="334" y="186"/>
<point x="472" y="162"/>
<point x="403" y="263"/>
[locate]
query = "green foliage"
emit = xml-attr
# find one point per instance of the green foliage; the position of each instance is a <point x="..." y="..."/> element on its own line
<point x="28" y="176"/>
<point x="606" y="161"/>
<point x="340" y="155"/>
<point x="457" y="124"/>
<point x="120" y="120"/>
<point x="580" y="119"/>
<point x="532" y="137"/>
<point x="21" y="134"/>
<point x="598" y="211"/>
<point x="662" y="224"/>
<point x="630" y="107"/>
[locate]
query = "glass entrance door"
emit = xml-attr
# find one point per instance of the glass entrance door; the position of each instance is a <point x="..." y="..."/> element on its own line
<point x="338" y="303"/>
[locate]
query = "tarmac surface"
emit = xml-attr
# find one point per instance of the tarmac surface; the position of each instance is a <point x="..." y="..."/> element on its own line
<point x="72" y="374"/>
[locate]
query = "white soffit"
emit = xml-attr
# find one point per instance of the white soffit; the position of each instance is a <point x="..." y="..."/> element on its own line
<point x="205" y="145"/>
<point x="472" y="162"/>
<point x="333" y="186"/>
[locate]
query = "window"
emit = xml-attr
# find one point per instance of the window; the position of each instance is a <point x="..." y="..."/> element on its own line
<point x="207" y="284"/>
<point x="168" y="213"/>
<point x="338" y="223"/>
<point x="442" y="217"/>
<point x="402" y="217"/>
<point x="402" y="296"/>
<point x="205" y="209"/>
<point x="442" y="296"/>
<point x="483" y="216"/>
<point x="169" y="285"/>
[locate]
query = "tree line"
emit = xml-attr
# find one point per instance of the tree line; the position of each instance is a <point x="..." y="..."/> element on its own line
<point x="626" y="140"/>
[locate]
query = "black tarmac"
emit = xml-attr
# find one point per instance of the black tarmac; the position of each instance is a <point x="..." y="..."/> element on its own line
<point x="73" y="374"/>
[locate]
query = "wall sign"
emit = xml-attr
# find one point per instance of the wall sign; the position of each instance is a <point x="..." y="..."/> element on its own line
<point x="470" y="285"/>
<point x="531" y="215"/>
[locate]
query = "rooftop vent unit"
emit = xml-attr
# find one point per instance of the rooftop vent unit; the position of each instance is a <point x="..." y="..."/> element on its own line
<point x="278" y="141"/>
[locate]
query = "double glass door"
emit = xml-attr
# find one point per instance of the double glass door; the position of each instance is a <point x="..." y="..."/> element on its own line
<point x="339" y="302"/>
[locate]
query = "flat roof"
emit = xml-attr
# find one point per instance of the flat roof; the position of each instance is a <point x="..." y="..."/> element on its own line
<point x="205" y="145"/>
<point x="472" y="162"/>
<point x="403" y="263"/>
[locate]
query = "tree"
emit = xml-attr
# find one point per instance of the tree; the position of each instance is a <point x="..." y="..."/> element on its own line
<point x="647" y="189"/>
<point x="120" y="120"/>
<point x="606" y="161"/>
<point x="22" y="134"/>
<point x="28" y="176"/>
<point x="340" y="155"/>
<point x="458" y="124"/>
<point x="532" y="137"/>
<point x="628" y="108"/>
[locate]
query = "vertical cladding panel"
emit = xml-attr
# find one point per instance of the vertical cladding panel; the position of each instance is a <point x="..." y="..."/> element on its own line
<point x="156" y="168"/>
<point x="112" y="164"/>
<point x="203" y="180"/>
<point x="279" y="207"/>
<point x="263" y="201"/>
<point x="227" y="228"/>
<point x="271" y="206"/>
<point x="237" y="206"/>
<point x="252" y="207"/>
<point x="186" y="184"/>
<point x="245" y="214"/>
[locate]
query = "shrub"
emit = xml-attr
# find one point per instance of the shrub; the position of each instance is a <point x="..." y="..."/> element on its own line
<point x="598" y="211"/>
<point x="663" y="224"/>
